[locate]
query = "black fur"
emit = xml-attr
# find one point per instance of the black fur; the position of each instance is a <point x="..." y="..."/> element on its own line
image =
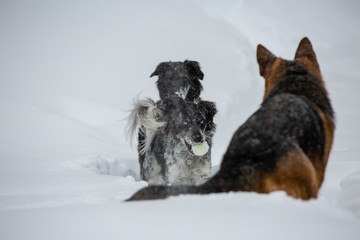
<point x="186" y="123"/>
<point x="300" y="83"/>
<point x="181" y="79"/>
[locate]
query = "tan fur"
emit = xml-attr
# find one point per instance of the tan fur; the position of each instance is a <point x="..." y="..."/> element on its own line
<point x="312" y="68"/>
<point x="329" y="128"/>
<point x="295" y="175"/>
<point x="273" y="76"/>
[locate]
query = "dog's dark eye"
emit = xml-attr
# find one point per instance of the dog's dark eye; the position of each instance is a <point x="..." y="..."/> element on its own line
<point x="202" y="123"/>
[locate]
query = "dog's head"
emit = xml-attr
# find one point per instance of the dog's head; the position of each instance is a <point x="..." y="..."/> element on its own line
<point x="181" y="79"/>
<point x="190" y="122"/>
<point x="275" y="69"/>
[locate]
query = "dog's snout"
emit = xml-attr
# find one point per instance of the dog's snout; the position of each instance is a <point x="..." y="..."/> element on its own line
<point x="197" y="137"/>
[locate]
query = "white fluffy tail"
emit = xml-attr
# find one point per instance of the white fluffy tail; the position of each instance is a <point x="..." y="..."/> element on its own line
<point x="144" y="114"/>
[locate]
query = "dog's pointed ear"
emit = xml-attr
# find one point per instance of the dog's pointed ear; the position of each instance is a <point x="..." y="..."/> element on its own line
<point x="305" y="49"/>
<point x="265" y="59"/>
<point x="160" y="69"/>
<point x="194" y="69"/>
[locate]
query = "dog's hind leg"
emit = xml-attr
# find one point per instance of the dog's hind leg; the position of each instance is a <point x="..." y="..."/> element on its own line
<point x="295" y="174"/>
<point x="141" y="141"/>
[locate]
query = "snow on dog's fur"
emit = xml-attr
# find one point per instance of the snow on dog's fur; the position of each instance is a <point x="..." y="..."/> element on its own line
<point x="146" y="115"/>
<point x="179" y="79"/>
<point x="167" y="131"/>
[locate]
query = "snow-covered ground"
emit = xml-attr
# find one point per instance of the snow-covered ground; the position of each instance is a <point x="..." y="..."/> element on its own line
<point x="69" y="71"/>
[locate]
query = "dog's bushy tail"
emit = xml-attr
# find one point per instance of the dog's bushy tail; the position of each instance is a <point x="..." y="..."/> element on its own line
<point x="145" y="115"/>
<point x="240" y="179"/>
<point x="162" y="192"/>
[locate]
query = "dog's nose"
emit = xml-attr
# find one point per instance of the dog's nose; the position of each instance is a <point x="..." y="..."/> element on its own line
<point x="197" y="138"/>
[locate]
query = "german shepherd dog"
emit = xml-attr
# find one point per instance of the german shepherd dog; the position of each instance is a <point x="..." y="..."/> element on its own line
<point x="285" y="144"/>
<point x="179" y="79"/>
<point x="168" y="131"/>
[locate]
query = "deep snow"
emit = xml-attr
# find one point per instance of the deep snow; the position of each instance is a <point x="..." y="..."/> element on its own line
<point x="69" y="71"/>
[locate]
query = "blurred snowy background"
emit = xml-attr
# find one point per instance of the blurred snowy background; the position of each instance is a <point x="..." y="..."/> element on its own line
<point x="69" y="71"/>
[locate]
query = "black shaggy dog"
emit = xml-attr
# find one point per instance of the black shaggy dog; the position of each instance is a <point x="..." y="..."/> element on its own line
<point x="175" y="133"/>
<point x="168" y="132"/>
<point x="285" y="144"/>
<point x="181" y="79"/>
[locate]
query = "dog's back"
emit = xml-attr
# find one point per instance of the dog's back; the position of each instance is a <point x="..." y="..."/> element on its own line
<point x="280" y="147"/>
<point x="284" y="145"/>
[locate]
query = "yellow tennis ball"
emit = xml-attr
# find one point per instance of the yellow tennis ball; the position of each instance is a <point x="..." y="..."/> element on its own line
<point x="200" y="149"/>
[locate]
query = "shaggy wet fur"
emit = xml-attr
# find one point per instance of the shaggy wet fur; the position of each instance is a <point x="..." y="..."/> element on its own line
<point x="168" y="129"/>
<point x="285" y="144"/>
<point x="179" y="79"/>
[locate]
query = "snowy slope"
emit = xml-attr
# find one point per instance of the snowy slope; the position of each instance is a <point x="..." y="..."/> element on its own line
<point x="69" y="71"/>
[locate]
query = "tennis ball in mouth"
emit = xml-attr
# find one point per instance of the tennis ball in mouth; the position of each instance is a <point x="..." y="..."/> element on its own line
<point x="200" y="149"/>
